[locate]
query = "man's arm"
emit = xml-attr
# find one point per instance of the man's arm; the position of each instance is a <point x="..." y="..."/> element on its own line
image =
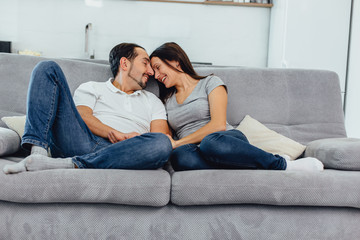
<point x="160" y="125"/>
<point x="93" y="123"/>
<point x="100" y="129"/>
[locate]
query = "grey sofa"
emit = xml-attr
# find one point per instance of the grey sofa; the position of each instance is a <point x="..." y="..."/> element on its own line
<point x="304" y="105"/>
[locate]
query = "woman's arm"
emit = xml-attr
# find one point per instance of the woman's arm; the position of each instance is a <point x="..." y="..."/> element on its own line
<point x="218" y="103"/>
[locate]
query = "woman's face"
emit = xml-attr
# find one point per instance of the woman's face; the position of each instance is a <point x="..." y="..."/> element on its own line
<point x="164" y="73"/>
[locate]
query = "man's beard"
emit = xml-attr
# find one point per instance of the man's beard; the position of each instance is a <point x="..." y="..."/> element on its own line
<point x="139" y="82"/>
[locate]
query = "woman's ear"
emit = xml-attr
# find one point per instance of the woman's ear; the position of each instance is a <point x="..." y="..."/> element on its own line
<point x="123" y="63"/>
<point x="177" y="66"/>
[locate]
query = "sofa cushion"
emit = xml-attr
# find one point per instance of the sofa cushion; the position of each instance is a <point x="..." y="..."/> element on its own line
<point x="15" y="80"/>
<point x="4" y="113"/>
<point x="336" y="153"/>
<point x="269" y="140"/>
<point x="129" y="187"/>
<point x="16" y="123"/>
<point x="9" y="141"/>
<point x="271" y="187"/>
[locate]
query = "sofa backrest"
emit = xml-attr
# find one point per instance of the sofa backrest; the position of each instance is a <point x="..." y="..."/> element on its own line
<point x="304" y="105"/>
<point x="15" y="71"/>
<point x="301" y="104"/>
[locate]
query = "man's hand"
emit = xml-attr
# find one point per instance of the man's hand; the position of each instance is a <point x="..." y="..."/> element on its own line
<point x="115" y="136"/>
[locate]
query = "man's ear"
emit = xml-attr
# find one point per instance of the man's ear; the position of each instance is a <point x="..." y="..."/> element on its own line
<point x="123" y="63"/>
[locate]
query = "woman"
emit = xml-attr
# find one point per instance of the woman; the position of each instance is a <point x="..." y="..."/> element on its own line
<point x="196" y="108"/>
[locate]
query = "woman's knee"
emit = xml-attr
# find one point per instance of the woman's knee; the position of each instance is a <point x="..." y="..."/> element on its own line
<point x="211" y="144"/>
<point x="185" y="158"/>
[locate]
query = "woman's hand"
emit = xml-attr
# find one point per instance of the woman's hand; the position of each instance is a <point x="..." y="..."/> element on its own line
<point x="173" y="142"/>
<point x="116" y="136"/>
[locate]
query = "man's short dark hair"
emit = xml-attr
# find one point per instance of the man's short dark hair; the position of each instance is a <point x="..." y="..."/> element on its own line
<point x="122" y="50"/>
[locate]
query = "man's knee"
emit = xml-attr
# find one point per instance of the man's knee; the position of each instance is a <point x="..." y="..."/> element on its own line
<point x="161" y="143"/>
<point x="46" y="66"/>
<point x="46" y="69"/>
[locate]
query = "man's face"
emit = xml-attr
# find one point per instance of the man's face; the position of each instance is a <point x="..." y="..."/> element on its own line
<point x="140" y="68"/>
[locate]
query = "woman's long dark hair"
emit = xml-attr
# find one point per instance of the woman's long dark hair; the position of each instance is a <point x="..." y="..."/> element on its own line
<point x="171" y="51"/>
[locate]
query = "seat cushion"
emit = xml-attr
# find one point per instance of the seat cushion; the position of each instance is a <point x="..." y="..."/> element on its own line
<point x="129" y="187"/>
<point x="271" y="187"/>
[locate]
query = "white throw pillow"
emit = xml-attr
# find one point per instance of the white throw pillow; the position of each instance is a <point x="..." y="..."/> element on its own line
<point x="9" y="141"/>
<point x="16" y="123"/>
<point x="269" y="140"/>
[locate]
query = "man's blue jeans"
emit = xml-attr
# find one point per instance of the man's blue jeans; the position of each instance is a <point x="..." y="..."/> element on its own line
<point x="53" y="121"/>
<point x="224" y="150"/>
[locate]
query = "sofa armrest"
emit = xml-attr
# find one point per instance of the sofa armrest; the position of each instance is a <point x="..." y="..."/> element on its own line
<point x="336" y="153"/>
<point x="9" y="141"/>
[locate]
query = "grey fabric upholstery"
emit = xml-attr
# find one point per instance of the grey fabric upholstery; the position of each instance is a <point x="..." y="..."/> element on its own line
<point x="148" y="188"/>
<point x="304" y="105"/>
<point x="9" y="141"/>
<point x="206" y="187"/>
<point x="336" y="153"/>
<point x="294" y="107"/>
<point x="15" y="71"/>
<point x="106" y="221"/>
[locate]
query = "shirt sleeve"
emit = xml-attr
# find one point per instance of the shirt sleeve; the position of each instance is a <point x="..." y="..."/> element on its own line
<point x="85" y="95"/>
<point x="212" y="83"/>
<point x="157" y="108"/>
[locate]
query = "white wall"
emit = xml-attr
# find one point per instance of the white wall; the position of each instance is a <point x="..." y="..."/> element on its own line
<point x="310" y="34"/>
<point x="352" y="116"/>
<point x="222" y="35"/>
<point x="315" y="34"/>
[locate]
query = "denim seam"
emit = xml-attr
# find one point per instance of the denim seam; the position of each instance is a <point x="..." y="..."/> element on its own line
<point x="75" y="113"/>
<point x="95" y="146"/>
<point x="51" y="113"/>
<point x="77" y="162"/>
<point x="64" y="89"/>
<point x="89" y="155"/>
<point x="35" y="142"/>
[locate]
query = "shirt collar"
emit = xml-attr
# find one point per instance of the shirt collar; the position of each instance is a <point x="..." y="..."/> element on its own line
<point x="116" y="90"/>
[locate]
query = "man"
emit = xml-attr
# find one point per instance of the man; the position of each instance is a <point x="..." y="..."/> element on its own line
<point x="115" y="124"/>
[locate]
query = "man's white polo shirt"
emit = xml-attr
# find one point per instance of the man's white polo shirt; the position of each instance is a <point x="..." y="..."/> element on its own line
<point x="121" y="111"/>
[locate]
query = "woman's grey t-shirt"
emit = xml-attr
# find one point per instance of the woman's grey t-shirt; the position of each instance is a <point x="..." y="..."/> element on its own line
<point x="194" y="112"/>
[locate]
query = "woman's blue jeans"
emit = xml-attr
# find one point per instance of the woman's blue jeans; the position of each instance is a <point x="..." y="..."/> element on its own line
<point x="224" y="150"/>
<point x="53" y="121"/>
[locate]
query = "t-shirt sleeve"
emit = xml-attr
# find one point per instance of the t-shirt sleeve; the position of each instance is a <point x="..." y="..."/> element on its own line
<point x="85" y="95"/>
<point x="157" y="108"/>
<point x="212" y="83"/>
